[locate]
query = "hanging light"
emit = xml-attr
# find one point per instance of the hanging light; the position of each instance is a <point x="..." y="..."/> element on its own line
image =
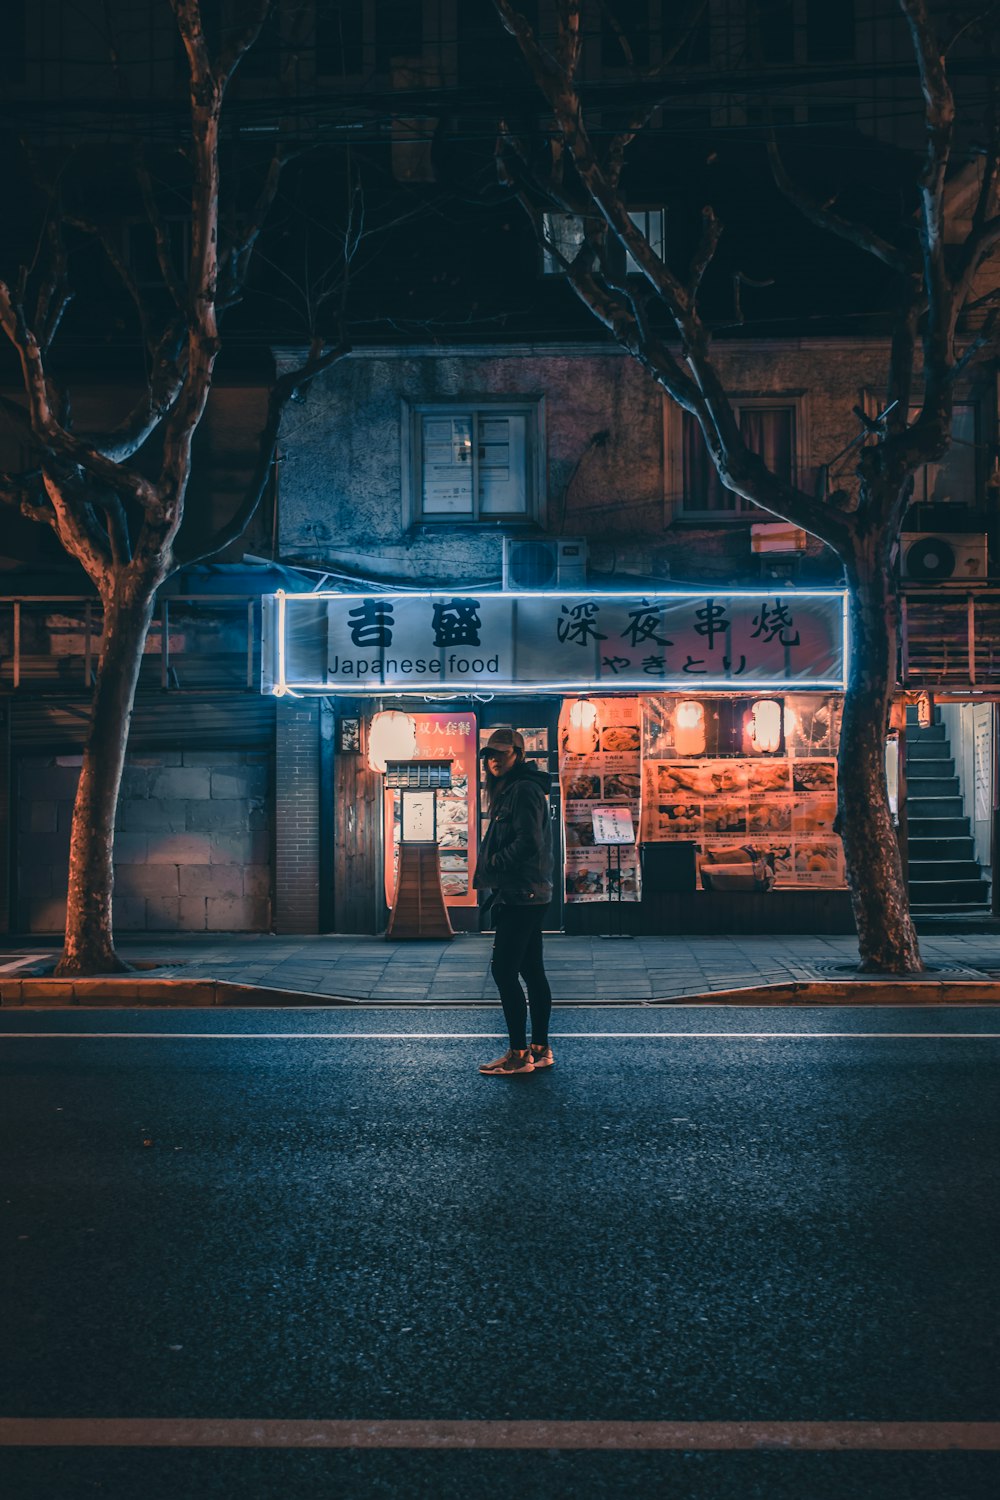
<point x="581" y="738"/>
<point x="393" y="736"/>
<point x="765" y="725"/>
<point x="689" y="727"/>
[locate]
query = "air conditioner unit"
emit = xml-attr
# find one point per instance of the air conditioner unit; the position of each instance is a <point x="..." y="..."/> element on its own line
<point x="928" y="557"/>
<point x="544" y="562"/>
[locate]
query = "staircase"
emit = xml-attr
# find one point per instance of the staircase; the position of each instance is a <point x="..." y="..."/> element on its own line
<point x="944" y="873"/>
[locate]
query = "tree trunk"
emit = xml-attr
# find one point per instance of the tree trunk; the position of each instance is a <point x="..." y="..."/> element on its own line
<point x="89" y="943"/>
<point x="886" y="938"/>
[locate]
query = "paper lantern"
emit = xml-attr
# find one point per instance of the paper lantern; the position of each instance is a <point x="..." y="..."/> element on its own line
<point x="581" y="738"/>
<point x="765" y="725"/>
<point x="689" y="727"/>
<point x="393" y="736"/>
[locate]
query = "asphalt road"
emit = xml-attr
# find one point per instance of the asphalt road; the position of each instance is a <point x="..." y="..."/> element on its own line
<point x="706" y="1216"/>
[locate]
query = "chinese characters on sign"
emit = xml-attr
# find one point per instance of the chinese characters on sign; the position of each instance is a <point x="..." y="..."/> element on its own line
<point x="654" y="640"/>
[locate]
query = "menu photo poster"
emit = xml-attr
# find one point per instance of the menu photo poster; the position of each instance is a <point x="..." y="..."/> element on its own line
<point x="783" y="806"/>
<point x="604" y="770"/>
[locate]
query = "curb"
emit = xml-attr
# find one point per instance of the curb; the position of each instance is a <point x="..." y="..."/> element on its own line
<point x="130" y="991"/>
<point x="210" y="993"/>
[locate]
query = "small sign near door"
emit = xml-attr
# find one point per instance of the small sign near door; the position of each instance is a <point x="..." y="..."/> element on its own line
<point x="612" y="825"/>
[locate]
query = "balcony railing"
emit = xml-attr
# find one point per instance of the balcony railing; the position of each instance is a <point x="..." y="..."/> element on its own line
<point x="195" y="642"/>
<point x="950" y="637"/>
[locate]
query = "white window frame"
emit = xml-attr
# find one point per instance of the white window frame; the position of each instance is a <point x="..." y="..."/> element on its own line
<point x="743" y="510"/>
<point x="566" y="231"/>
<point x="532" y="408"/>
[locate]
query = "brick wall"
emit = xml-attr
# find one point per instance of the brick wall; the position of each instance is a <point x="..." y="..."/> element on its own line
<point x="192" y="850"/>
<point x="297" y="815"/>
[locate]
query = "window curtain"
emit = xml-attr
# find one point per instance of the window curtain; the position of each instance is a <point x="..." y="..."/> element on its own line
<point x="703" y="489"/>
<point x="767" y="431"/>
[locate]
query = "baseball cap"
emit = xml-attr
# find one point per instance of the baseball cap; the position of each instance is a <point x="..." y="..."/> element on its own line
<point x="503" y="739"/>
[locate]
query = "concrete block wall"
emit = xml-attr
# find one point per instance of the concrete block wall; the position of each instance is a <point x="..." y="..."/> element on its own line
<point x="192" y="847"/>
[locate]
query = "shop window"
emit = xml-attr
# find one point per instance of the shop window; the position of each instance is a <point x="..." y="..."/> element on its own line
<point x="770" y="429"/>
<point x="473" y="462"/>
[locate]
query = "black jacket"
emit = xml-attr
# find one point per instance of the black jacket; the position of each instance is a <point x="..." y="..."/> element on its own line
<point x="515" y="857"/>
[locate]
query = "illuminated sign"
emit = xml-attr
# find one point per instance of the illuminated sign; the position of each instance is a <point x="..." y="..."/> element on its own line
<point x="512" y="642"/>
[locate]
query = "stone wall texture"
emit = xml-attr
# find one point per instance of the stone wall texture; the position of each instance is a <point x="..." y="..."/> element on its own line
<point x="192" y="848"/>
<point x="344" y="449"/>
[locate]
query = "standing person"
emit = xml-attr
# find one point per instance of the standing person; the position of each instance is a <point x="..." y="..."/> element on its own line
<point x="515" y="863"/>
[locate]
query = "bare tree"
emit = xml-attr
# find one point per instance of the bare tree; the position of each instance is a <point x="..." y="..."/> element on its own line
<point x="95" y="490"/>
<point x="658" y="320"/>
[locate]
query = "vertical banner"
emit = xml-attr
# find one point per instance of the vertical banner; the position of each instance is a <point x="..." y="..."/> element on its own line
<point x="443" y="736"/>
<point x="600" y="748"/>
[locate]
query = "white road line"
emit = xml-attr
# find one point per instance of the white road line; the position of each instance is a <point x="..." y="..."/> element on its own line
<point x="155" y="1432"/>
<point x="486" y="1036"/>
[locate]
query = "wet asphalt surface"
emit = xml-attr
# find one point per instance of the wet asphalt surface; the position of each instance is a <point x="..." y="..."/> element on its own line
<point x="321" y="1225"/>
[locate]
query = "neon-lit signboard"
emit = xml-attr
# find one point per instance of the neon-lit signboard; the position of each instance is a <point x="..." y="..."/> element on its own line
<point x="513" y="642"/>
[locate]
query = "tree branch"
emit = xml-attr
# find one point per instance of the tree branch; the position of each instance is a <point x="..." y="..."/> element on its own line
<point x="823" y="217"/>
<point x="281" y="393"/>
<point x="939" y="121"/>
<point x="47" y="429"/>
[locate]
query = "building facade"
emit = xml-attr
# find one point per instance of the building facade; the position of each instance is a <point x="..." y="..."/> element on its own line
<point x="482" y="442"/>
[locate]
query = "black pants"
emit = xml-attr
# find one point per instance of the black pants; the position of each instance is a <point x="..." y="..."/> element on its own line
<point x="517" y="950"/>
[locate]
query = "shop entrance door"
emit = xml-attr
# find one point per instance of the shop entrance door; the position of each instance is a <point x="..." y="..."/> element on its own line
<point x="538" y="721"/>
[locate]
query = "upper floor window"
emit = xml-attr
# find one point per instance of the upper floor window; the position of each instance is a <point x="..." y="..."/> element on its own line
<point x="625" y="29"/>
<point x="486" y="51"/>
<point x="399" y="31"/>
<point x="473" y="462"/>
<point x="775" y="26"/>
<point x="340" y="38"/>
<point x="953" y="479"/>
<point x="830" y="30"/>
<point x="263" y="61"/>
<point x="15" y="39"/>
<point x="564" y="233"/>
<point x="768" y="428"/>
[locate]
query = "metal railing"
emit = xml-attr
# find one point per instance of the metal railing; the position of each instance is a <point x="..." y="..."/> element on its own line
<point x="950" y="637"/>
<point x="195" y="641"/>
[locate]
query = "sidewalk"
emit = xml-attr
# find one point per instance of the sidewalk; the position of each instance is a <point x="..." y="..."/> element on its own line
<point x="238" y="969"/>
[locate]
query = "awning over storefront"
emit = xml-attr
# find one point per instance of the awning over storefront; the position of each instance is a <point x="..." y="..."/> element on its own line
<point x="553" y="642"/>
